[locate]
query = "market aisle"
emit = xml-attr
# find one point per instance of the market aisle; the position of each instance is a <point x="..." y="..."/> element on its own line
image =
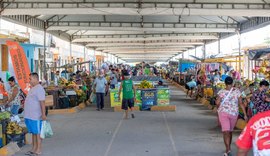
<point x="188" y="132"/>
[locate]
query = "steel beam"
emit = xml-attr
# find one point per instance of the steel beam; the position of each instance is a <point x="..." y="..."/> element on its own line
<point x="146" y="47"/>
<point x="145" y="50"/>
<point x="125" y="34"/>
<point x="141" y="44"/>
<point x="142" y="30"/>
<point x="149" y="52"/>
<point x="93" y="40"/>
<point x="132" y="8"/>
<point x="26" y="21"/>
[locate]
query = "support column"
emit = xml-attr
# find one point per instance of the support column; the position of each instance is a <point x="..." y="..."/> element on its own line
<point x="44" y="52"/>
<point x="204" y="50"/>
<point x="195" y="51"/>
<point x="70" y="52"/>
<point x="239" y="50"/>
<point x="84" y="53"/>
<point x="219" y="44"/>
<point x="183" y="55"/>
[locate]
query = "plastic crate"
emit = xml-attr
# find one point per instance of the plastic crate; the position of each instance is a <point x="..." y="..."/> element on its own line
<point x="18" y="138"/>
<point x="64" y="102"/>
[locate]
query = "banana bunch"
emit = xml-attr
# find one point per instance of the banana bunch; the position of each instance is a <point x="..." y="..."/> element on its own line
<point x="79" y="92"/>
<point x="263" y="69"/>
<point x="265" y="63"/>
<point x="71" y="84"/>
<point x="63" y="81"/>
<point x="267" y="75"/>
<point x="248" y="82"/>
<point x="14" y="128"/>
<point x="145" y="85"/>
<point x="221" y="85"/>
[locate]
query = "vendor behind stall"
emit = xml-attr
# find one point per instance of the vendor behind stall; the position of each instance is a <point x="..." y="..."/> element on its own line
<point x="56" y="78"/>
<point x="13" y="97"/>
<point x="216" y="77"/>
<point x="190" y="86"/>
<point x="235" y="74"/>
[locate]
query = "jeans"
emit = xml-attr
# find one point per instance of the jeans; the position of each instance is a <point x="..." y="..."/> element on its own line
<point x="100" y="100"/>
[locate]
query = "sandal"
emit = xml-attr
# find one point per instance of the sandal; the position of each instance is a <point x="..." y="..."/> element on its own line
<point x="29" y="153"/>
<point x="35" y="154"/>
<point x="227" y="154"/>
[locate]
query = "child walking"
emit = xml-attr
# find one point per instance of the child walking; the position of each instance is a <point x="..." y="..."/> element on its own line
<point x="129" y="94"/>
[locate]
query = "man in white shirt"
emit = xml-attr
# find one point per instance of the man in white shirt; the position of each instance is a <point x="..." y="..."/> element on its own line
<point x="56" y="78"/>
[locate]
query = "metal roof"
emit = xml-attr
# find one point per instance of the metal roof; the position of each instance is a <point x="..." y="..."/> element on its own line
<point x="136" y="30"/>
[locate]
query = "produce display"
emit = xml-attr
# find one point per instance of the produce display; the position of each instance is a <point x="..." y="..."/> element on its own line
<point x="221" y="85"/>
<point x="145" y="85"/>
<point x="148" y="78"/>
<point x="14" y="128"/>
<point x="4" y="115"/>
<point x="67" y="84"/>
<point x="81" y="94"/>
<point x="263" y="69"/>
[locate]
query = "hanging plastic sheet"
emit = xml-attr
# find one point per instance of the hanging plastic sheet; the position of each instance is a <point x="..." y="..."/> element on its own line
<point x="256" y="54"/>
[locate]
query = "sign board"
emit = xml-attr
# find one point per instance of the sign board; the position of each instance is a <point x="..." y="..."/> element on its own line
<point x="114" y="98"/>
<point x="20" y="65"/>
<point x="149" y="98"/>
<point x="138" y="97"/>
<point x="163" y="96"/>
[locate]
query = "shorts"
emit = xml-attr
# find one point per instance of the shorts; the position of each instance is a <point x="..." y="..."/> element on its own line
<point x="227" y="121"/>
<point x="127" y="103"/>
<point x="188" y="88"/>
<point x="33" y="126"/>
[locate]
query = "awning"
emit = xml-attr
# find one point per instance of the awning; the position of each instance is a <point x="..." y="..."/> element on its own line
<point x="257" y="54"/>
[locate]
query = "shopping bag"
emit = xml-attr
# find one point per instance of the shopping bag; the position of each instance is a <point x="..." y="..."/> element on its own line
<point x="46" y="130"/>
<point x="93" y="97"/>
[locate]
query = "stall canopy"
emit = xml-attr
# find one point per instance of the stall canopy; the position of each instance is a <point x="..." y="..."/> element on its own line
<point x="257" y="54"/>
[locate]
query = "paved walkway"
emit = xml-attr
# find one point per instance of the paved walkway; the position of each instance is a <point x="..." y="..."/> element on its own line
<point x="190" y="131"/>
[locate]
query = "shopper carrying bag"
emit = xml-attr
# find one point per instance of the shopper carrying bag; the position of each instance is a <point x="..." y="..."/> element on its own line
<point x="227" y="103"/>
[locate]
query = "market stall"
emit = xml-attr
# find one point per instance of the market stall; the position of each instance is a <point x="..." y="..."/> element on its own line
<point x="148" y="94"/>
<point x="186" y="69"/>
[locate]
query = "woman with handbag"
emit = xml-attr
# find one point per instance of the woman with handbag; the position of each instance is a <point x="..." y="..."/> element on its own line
<point x="227" y="103"/>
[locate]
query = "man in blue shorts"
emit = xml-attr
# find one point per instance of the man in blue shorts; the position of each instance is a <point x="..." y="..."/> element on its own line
<point x="34" y="113"/>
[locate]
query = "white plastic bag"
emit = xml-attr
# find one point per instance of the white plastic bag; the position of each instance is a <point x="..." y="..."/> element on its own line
<point x="93" y="97"/>
<point x="46" y="130"/>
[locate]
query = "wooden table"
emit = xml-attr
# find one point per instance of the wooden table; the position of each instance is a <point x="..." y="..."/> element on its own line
<point x="49" y="101"/>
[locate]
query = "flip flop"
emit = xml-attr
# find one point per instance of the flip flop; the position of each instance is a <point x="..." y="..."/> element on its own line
<point x="29" y="153"/>
<point x="35" y="154"/>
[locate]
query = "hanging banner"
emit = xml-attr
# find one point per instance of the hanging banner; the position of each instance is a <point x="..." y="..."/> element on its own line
<point x="20" y="65"/>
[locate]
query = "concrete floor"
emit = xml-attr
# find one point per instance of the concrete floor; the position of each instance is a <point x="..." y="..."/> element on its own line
<point x="190" y="131"/>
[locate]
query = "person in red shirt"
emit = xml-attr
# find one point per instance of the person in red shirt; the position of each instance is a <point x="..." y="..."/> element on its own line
<point x="257" y="135"/>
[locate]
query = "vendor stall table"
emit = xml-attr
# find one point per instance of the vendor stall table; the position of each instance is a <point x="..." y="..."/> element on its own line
<point x="55" y="95"/>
